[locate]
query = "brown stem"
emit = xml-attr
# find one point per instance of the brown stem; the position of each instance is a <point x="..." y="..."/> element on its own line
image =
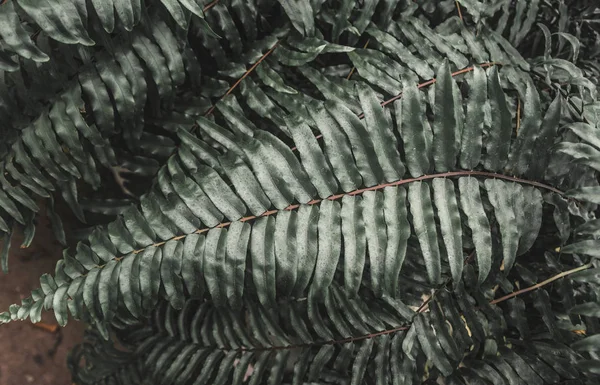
<point x="210" y="5"/>
<point x="424" y="306"/>
<point x="420" y="85"/>
<point x="420" y="310"/>
<point x="518" y="116"/>
<point x="46" y="327"/>
<point x="460" y="16"/>
<point x="330" y="342"/>
<point x="432" y="81"/>
<point x="248" y="72"/>
<point x="541" y="284"/>
<point x="451" y="174"/>
<point x="354" y="68"/>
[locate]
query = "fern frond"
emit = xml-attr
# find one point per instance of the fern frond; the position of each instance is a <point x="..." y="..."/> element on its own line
<point x="181" y="219"/>
<point x="361" y="340"/>
<point x="72" y="138"/>
<point x="308" y="226"/>
<point x="96" y="362"/>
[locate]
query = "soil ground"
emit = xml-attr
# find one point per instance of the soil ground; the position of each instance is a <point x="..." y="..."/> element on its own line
<point x="31" y="354"/>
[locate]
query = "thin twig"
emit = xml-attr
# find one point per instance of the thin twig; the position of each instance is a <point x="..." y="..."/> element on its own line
<point x="46" y="327"/>
<point x="420" y="310"/>
<point x="210" y="5"/>
<point x="118" y="172"/>
<point x="432" y="81"/>
<point x="321" y="343"/>
<point x="354" y="68"/>
<point x="460" y="16"/>
<point x="424" y="306"/>
<point x="541" y="284"/>
<point x="518" y="115"/>
<point x="419" y="86"/>
<point x="248" y="72"/>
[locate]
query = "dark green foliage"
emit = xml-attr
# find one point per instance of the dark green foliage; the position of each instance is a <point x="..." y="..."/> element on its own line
<point x="378" y="192"/>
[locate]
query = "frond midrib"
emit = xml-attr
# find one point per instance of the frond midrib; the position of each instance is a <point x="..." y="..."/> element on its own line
<point x="451" y="174"/>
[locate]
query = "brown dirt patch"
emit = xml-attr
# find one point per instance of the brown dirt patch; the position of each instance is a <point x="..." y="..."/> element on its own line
<point x="30" y="354"/>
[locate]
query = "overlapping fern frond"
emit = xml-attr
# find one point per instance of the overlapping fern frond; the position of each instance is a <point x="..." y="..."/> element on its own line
<point x="407" y="31"/>
<point x="355" y="340"/>
<point x="354" y="184"/>
<point x="97" y="119"/>
<point x="60" y="29"/>
<point x="97" y="361"/>
<point x="301" y="241"/>
<point x="352" y="192"/>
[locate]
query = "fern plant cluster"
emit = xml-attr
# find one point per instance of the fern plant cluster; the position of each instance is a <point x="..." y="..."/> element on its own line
<point x="310" y="191"/>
